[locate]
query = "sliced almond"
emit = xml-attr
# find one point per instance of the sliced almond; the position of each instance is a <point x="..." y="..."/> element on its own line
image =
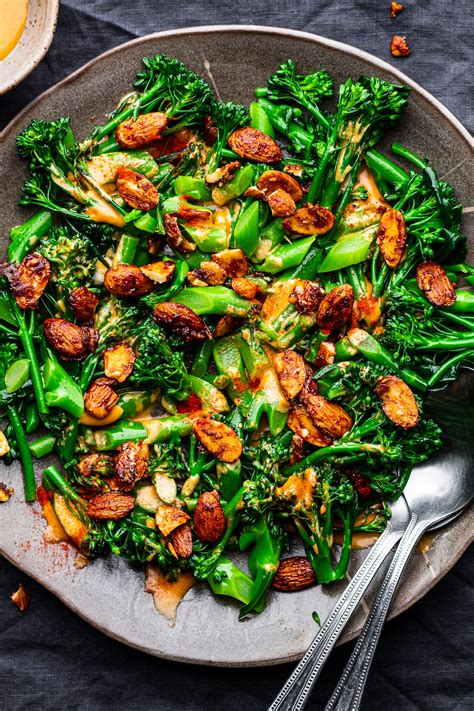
<point x="175" y="237"/>
<point x="111" y="506"/>
<point x="226" y="325"/>
<point x="392" y="237"/>
<point x="280" y="202"/>
<point x="127" y="281"/>
<point x="136" y="190"/>
<point x="309" y="220"/>
<point x="83" y="304"/>
<point x="209" y="519"/>
<point x="71" y="342"/>
<point x="294" y="574"/>
<point x="329" y="417"/>
<point x="434" y="283"/>
<point x="159" y="272"/>
<point x="181" y="538"/>
<point x="244" y="287"/>
<point x="21" y="598"/>
<point x="270" y="180"/>
<point x="119" y="361"/>
<point x="222" y="175"/>
<point x="207" y="273"/>
<point x="398" y="401"/>
<point x="335" y="309"/>
<point x="181" y="321"/>
<point x="146" y="129"/>
<point x="301" y="424"/>
<point x="326" y="354"/>
<point x="368" y="310"/>
<point x="254" y="145"/>
<point x="218" y="438"/>
<point x="168" y="518"/>
<point x="290" y="369"/>
<point x="28" y="280"/>
<point x="131" y="464"/>
<point x="306" y="296"/>
<point x="100" y="399"/>
<point x="233" y="261"/>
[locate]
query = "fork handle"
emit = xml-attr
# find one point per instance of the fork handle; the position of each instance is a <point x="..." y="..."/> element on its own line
<point x="348" y="693"/>
<point x="307" y="671"/>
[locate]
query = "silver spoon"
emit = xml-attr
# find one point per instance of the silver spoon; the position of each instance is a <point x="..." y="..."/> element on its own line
<point x="439" y="489"/>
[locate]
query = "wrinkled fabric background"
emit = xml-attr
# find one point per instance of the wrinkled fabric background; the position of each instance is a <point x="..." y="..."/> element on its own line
<point x="52" y="660"/>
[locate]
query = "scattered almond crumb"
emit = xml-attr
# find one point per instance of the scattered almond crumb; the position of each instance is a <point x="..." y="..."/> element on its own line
<point x="81" y="561"/>
<point x="395" y="9"/>
<point x="6" y="493"/>
<point x="21" y="598"/>
<point x="4" y="446"/>
<point x="399" y="46"/>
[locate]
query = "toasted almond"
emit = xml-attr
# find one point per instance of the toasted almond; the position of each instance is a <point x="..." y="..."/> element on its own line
<point x="6" y="492"/>
<point x="301" y="424"/>
<point x="309" y="220"/>
<point x="398" y="401"/>
<point x="131" y="464"/>
<point x="326" y="354"/>
<point x="254" y="145"/>
<point x="290" y="369"/>
<point x="119" y="361"/>
<point x="270" y="180"/>
<point x="175" y="237"/>
<point x="136" y="190"/>
<point x="218" y="438"/>
<point x="146" y="129"/>
<point x="222" y="175"/>
<point x="434" y="283"/>
<point x="368" y="309"/>
<point x="207" y="273"/>
<point x="280" y="202"/>
<point x="28" y="280"/>
<point x="100" y="399"/>
<point x="395" y="9"/>
<point x="181" y="321"/>
<point x="226" y="325"/>
<point x="181" y="538"/>
<point x="159" y="272"/>
<point x="392" y="237"/>
<point x="294" y="574"/>
<point x="306" y="296"/>
<point x="233" y="261"/>
<point x="244" y="287"/>
<point x="127" y="281"/>
<point x="297" y="448"/>
<point x="4" y="446"/>
<point x="399" y="46"/>
<point x="71" y="342"/>
<point x="83" y="304"/>
<point x="209" y="131"/>
<point x="21" y="598"/>
<point x="335" y="309"/>
<point x="110" y="506"/>
<point x="169" y="517"/>
<point x="101" y="465"/>
<point x="209" y="519"/>
<point x="329" y="417"/>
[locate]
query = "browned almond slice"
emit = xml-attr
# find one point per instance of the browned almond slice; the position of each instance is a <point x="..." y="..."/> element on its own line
<point x="368" y="310"/>
<point x="181" y="321"/>
<point x="254" y="145"/>
<point x="280" y="202"/>
<point x="110" y="506"/>
<point x="181" y="538"/>
<point x="326" y="354"/>
<point x="71" y="342"/>
<point x="159" y="272"/>
<point x="233" y="261"/>
<point x="218" y="438"/>
<point x="142" y="131"/>
<point x="309" y="220"/>
<point x="28" y="280"/>
<point x="175" y="237"/>
<point x="128" y="281"/>
<point x="222" y="175"/>
<point x="226" y="325"/>
<point x="329" y="417"/>
<point x="119" y="361"/>
<point x="270" y="180"/>
<point x="169" y="517"/>
<point x="291" y="372"/>
<point x="95" y="465"/>
<point x="398" y="401"/>
<point x="209" y="519"/>
<point x="297" y="448"/>
<point x="392" y="237"/>
<point x="131" y="464"/>
<point x="100" y="399"/>
<point x="83" y="304"/>
<point x="301" y="424"/>
<point x="294" y="574"/>
<point x="335" y="309"/>
<point x="21" y="598"/>
<point x="306" y="296"/>
<point x="244" y="287"/>
<point x="434" y="283"/>
<point x="207" y="273"/>
<point x="136" y="190"/>
<point x="399" y="46"/>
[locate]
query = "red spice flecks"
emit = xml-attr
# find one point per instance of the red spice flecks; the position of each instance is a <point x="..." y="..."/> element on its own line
<point x="191" y="404"/>
<point x="43" y="495"/>
<point x="360" y="484"/>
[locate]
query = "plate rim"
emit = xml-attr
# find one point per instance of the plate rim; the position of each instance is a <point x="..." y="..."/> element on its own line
<point x="378" y="64"/>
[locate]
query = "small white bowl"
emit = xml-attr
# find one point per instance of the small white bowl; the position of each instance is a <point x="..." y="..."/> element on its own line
<point x="33" y="44"/>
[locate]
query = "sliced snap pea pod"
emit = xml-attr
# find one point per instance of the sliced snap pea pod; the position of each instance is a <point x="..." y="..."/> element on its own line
<point x="260" y="120"/>
<point x="217" y="300"/>
<point x="42" y="446"/>
<point x="193" y="187"/>
<point x="350" y="249"/>
<point x="17" y="375"/>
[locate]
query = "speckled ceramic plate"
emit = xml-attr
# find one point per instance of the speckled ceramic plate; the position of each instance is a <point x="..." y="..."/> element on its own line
<point x="108" y="593"/>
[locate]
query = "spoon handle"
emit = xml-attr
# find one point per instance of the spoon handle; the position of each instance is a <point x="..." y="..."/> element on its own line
<point x="307" y="671"/>
<point x="348" y="693"/>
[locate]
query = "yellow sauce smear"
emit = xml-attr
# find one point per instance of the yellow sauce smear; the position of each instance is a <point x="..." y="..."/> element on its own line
<point x="166" y="594"/>
<point x="13" y="14"/>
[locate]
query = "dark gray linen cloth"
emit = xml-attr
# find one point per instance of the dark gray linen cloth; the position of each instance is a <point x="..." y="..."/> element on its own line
<point x="52" y="660"/>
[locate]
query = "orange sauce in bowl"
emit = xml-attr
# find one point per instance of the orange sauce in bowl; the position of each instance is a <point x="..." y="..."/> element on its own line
<point x="13" y="14"/>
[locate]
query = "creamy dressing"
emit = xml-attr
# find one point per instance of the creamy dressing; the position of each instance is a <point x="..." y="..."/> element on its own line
<point x="167" y="595"/>
<point x="13" y="14"/>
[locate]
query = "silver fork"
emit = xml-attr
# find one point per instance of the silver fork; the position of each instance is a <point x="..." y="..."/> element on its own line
<point x="436" y="492"/>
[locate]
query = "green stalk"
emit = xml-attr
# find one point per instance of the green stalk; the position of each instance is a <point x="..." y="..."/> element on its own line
<point x="458" y="358"/>
<point x="24" y="452"/>
<point x="24" y="237"/>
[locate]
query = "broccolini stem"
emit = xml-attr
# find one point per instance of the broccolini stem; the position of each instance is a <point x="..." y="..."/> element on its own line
<point x="458" y="358"/>
<point x="25" y="454"/>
